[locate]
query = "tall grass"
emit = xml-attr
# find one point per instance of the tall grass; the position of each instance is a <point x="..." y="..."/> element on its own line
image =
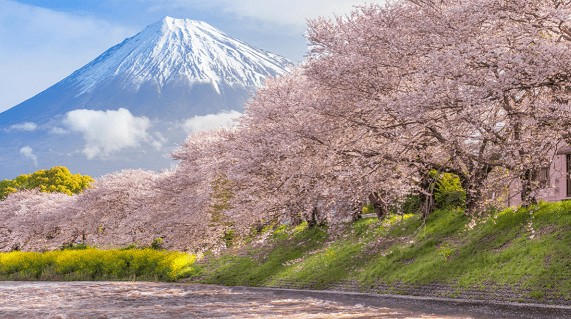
<point x="94" y="264"/>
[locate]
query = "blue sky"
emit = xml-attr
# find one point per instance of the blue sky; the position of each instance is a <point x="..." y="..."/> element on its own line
<point x="43" y="41"/>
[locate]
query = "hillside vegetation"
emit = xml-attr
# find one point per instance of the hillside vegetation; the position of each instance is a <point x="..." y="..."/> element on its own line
<point x="527" y="251"/>
<point x="510" y="255"/>
<point x="94" y="264"/>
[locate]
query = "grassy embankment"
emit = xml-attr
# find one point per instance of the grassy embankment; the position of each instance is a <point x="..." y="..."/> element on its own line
<point x="529" y="249"/>
<point x="94" y="264"/>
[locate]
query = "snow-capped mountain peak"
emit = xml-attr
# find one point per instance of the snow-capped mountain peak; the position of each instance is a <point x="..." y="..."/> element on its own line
<point x="136" y="101"/>
<point x="181" y="50"/>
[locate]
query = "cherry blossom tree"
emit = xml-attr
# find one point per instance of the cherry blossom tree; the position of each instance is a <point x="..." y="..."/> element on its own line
<point x="466" y="86"/>
<point x="30" y="219"/>
<point x="123" y="208"/>
<point x="292" y="159"/>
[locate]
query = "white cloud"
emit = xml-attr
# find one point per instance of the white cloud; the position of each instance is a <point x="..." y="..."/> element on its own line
<point x="210" y="122"/>
<point x="25" y="126"/>
<point x="39" y="47"/>
<point x="28" y="153"/>
<point x="58" y="131"/>
<point x="158" y="140"/>
<point x="107" y="132"/>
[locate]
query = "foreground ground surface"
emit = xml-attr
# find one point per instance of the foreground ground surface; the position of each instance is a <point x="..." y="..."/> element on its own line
<point x="161" y="300"/>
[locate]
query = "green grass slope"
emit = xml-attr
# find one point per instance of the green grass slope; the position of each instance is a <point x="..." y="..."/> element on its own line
<point x="527" y="251"/>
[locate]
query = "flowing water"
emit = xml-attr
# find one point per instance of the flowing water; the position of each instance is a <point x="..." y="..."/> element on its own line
<point x="163" y="300"/>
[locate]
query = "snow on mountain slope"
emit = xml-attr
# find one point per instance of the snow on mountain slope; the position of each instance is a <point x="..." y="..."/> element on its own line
<point x="172" y="48"/>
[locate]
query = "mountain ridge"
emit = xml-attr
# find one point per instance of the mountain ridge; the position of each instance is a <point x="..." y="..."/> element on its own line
<point x="167" y="39"/>
<point x="136" y="102"/>
<point x="149" y="70"/>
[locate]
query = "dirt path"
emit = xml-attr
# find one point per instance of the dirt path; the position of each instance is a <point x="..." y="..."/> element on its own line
<point x="437" y="307"/>
<point x="164" y="300"/>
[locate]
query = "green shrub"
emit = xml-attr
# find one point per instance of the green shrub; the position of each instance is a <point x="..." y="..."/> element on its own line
<point x="57" y="179"/>
<point x="448" y="192"/>
<point x="130" y="247"/>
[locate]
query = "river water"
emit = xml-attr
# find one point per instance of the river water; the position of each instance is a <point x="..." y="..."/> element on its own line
<point x="164" y="300"/>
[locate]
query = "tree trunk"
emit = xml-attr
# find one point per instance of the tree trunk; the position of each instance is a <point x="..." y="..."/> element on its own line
<point x="473" y="198"/>
<point x="426" y="196"/>
<point x="357" y="213"/>
<point x="473" y="188"/>
<point x="379" y="207"/>
<point x="312" y="218"/>
<point x="527" y="194"/>
<point x="294" y="215"/>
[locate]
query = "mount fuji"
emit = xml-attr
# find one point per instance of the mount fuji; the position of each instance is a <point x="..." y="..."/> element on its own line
<point x="135" y="102"/>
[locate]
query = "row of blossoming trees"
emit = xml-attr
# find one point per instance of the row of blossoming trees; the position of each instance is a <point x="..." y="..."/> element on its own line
<point x="388" y="95"/>
<point x="476" y="88"/>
